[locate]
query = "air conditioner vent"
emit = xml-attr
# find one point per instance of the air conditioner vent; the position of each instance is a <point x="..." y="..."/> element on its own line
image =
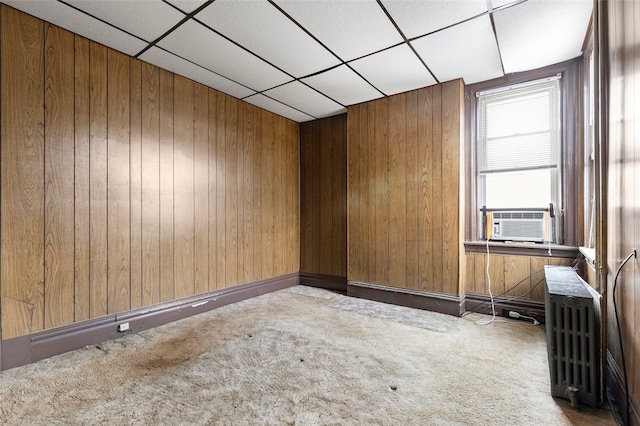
<point x="519" y="225"/>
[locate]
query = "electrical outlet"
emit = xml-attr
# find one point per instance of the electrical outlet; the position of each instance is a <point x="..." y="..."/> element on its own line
<point x="123" y="327"/>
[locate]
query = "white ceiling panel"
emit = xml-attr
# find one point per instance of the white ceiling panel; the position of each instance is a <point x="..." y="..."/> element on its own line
<point x="305" y="99"/>
<point x="178" y="65"/>
<point x="278" y="108"/>
<point x="264" y="30"/>
<point x="198" y="44"/>
<point x="343" y="85"/>
<point x="351" y="29"/>
<point x="416" y="18"/>
<point x="468" y="50"/>
<point x="187" y="6"/>
<point x="394" y="71"/>
<point x="79" y="23"/>
<point x="541" y="32"/>
<point x="143" y="18"/>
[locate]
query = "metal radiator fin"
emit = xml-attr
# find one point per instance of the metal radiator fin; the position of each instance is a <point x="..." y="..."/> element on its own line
<point x="572" y="311"/>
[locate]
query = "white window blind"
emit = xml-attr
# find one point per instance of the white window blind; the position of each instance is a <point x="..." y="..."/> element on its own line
<point x="519" y="127"/>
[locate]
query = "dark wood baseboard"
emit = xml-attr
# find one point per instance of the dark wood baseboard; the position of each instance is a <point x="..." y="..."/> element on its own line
<point x="327" y="282"/>
<point x="481" y="303"/>
<point x="437" y="302"/>
<point x="35" y="347"/>
<point x="615" y="393"/>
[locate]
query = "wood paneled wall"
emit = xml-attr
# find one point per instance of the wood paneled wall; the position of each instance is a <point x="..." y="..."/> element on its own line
<point x="404" y="195"/>
<point x="511" y="275"/>
<point x="124" y="185"/>
<point x="323" y="199"/>
<point x="623" y="198"/>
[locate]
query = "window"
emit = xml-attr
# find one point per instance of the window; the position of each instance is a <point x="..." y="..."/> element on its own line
<point x="519" y="147"/>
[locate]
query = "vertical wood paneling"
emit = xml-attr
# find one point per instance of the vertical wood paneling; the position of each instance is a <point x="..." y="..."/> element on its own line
<point x="231" y="195"/>
<point x="425" y="190"/>
<point x="452" y="105"/>
<point x="248" y="226"/>
<point x="268" y="206"/>
<point x="437" y="196"/>
<point x="213" y="190"/>
<point x="397" y="193"/>
<point x="82" y="179"/>
<point x="339" y="200"/>
<point x="326" y="175"/>
<point x="404" y="208"/>
<point x="118" y="184"/>
<point x="59" y="176"/>
<point x="183" y="188"/>
<point x="381" y="206"/>
<point x="124" y="186"/>
<point x="221" y="175"/>
<point x="98" y="250"/>
<point x="135" y="176"/>
<point x="167" y="258"/>
<point x="201" y="188"/>
<point x="22" y="132"/>
<point x="258" y="176"/>
<point x="413" y="180"/>
<point x="151" y="185"/>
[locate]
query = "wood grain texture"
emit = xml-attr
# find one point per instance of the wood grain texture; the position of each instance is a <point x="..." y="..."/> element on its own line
<point x="125" y="186"/>
<point x="82" y="179"/>
<point x="150" y="185"/>
<point x="22" y="165"/>
<point x="135" y="176"/>
<point x="59" y="176"/>
<point x="98" y="251"/>
<point x="167" y="253"/>
<point x="397" y="192"/>
<point x="323" y="196"/>
<point x="201" y="189"/>
<point x="183" y="188"/>
<point x="404" y="211"/>
<point x="118" y="184"/>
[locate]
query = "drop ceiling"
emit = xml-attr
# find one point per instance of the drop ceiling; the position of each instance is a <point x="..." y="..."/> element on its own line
<point x="308" y="59"/>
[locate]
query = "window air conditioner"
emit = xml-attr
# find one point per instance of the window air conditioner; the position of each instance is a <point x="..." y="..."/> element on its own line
<point x="519" y="225"/>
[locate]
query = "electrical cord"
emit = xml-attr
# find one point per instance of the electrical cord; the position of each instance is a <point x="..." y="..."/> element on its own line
<point x="493" y="305"/>
<point x="615" y="309"/>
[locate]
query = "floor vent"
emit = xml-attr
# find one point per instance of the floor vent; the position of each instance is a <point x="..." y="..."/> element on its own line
<point x="572" y="318"/>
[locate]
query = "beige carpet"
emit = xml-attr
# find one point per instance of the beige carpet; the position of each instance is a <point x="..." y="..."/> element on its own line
<point x="300" y="356"/>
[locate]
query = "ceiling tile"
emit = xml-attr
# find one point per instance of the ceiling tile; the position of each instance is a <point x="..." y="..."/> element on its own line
<point x="179" y="66"/>
<point x="202" y="46"/>
<point x="145" y="19"/>
<point x="278" y="108"/>
<point x="77" y="22"/>
<point x="351" y="29"/>
<point x="394" y="70"/>
<point x="466" y="50"/>
<point x="537" y="33"/>
<point x="305" y="99"/>
<point x="416" y="18"/>
<point x="343" y="85"/>
<point x="187" y="6"/>
<point x="264" y="30"/>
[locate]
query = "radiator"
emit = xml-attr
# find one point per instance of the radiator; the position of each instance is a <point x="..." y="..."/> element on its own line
<point x="572" y="318"/>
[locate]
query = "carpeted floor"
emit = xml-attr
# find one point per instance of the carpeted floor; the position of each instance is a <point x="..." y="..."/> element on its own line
<point x="300" y="356"/>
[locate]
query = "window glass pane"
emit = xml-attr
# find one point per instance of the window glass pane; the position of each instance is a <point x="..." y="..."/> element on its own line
<point x="522" y="151"/>
<point x="518" y="189"/>
<point x="521" y="115"/>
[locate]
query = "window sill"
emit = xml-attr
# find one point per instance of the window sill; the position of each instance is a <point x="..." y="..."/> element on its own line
<point x="589" y="254"/>
<point x="522" y="249"/>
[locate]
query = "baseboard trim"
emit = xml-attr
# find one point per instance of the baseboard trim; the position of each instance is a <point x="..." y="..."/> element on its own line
<point x="481" y="303"/>
<point x="436" y="302"/>
<point x="35" y="347"/>
<point x="615" y="393"/>
<point x="327" y="282"/>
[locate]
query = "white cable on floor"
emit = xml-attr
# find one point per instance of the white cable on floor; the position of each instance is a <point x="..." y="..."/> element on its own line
<point x="493" y="306"/>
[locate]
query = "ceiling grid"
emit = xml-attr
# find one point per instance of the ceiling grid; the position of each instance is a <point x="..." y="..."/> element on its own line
<point x="311" y="59"/>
